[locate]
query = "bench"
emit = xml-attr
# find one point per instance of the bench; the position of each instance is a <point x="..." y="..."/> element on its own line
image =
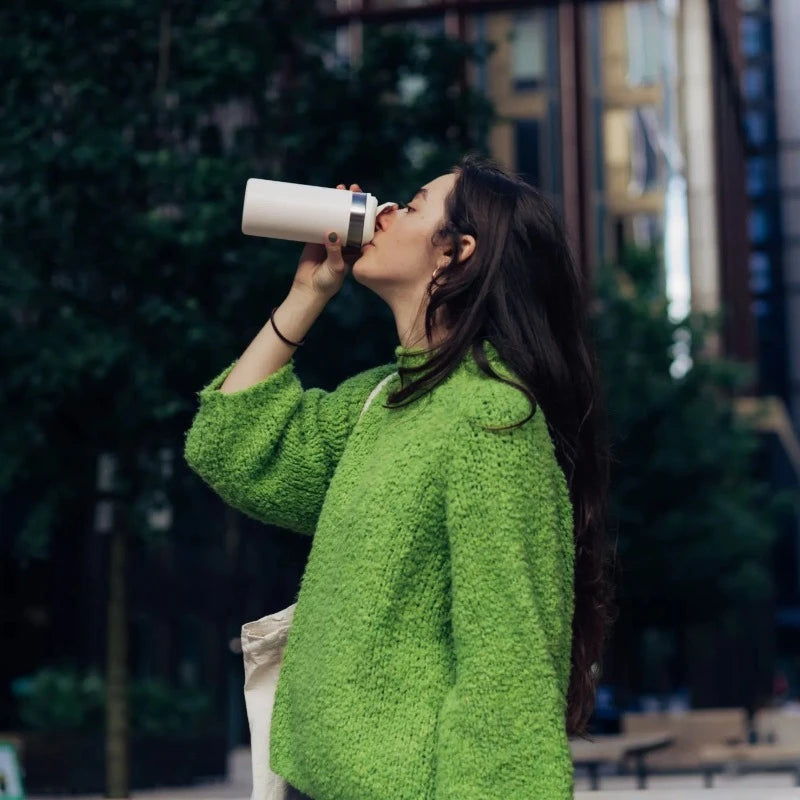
<point x="776" y="725"/>
<point x="741" y="758"/>
<point x="615" y="748"/>
<point x="691" y="730"/>
<point x="777" y="746"/>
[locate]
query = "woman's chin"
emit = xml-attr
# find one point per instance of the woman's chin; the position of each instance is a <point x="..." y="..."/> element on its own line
<point x="372" y="272"/>
<point x="362" y="271"/>
<point x="355" y="272"/>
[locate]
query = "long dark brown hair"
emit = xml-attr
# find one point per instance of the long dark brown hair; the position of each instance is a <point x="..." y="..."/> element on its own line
<point x="521" y="290"/>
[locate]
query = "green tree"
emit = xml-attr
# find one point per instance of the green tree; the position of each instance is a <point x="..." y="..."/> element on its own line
<point x="129" y="130"/>
<point x="693" y="521"/>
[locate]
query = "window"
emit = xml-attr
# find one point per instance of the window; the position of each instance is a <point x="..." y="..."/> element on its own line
<point x="643" y="33"/>
<point x="760" y="273"/>
<point x="529" y="49"/>
<point x="633" y="160"/>
<point x="754" y="83"/>
<point x="645" y="173"/>
<point x="527" y="139"/>
<point x="749" y="6"/>
<point x="757" y="128"/>
<point x="760" y="228"/>
<point x="753" y="34"/>
<point x="760" y="176"/>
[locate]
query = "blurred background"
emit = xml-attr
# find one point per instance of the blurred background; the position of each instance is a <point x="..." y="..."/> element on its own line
<point x="667" y="132"/>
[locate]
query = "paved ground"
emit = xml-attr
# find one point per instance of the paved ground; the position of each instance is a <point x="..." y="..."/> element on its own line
<point x="762" y="786"/>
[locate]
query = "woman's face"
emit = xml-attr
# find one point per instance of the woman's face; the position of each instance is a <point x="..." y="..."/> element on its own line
<point x="401" y="258"/>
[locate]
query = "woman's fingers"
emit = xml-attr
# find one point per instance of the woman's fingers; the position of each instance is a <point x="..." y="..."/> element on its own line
<point x="333" y="246"/>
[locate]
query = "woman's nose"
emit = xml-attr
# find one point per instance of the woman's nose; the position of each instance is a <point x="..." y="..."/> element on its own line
<point x="385" y="216"/>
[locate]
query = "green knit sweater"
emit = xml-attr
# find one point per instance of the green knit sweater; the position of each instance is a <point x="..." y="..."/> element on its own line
<point x="429" y="653"/>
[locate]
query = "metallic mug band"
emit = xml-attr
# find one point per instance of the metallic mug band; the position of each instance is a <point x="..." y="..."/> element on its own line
<point x="358" y="213"/>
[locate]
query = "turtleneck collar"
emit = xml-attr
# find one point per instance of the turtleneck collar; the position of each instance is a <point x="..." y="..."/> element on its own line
<point x="416" y="356"/>
<point x="411" y="356"/>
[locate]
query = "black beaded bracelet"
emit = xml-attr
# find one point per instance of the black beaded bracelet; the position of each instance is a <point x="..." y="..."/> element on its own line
<point x="280" y="335"/>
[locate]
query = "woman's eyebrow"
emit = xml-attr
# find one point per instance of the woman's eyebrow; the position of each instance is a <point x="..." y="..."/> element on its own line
<point x="423" y="191"/>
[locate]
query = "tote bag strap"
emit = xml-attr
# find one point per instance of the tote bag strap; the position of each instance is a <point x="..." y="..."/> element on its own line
<point x="375" y="392"/>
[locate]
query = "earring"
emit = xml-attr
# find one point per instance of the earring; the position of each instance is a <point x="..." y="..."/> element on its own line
<point x="435" y="272"/>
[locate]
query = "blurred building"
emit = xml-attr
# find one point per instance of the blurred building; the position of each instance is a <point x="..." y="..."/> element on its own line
<point x="628" y="112"/>
<point x="771" y="95"/>
<point x="661" y="121"/>
<point x="785" y="29"/>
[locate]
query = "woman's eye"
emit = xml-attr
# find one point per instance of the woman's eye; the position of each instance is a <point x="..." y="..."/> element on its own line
<point x="406" y="206"/>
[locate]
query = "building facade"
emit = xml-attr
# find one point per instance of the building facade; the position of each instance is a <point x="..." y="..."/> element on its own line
<point x="628" y="112"/>
<point x="771" y="96"/>
<point x="650" y="124"/>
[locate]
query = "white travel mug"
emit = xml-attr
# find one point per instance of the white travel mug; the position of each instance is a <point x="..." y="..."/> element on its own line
<point x="301" y="213"/>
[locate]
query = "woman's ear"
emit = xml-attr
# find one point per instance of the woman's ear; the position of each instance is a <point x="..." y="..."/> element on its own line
<point x="466" y="247"/>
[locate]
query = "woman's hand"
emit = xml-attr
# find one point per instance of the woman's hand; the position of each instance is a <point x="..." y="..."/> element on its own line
<point x="322" y="268"/>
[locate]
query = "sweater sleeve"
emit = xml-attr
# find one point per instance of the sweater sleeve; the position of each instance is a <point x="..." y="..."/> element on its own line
<point x="270" y="450"/>
<point x="502" y="725"/>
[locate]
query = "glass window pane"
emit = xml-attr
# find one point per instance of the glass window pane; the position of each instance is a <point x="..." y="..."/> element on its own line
<point x="760" y="273"/>
<point x="754" y="83"/>
<point x="643" y="33"/>
<point x="757" y="128"/>
<point x="760" y="175"/>
<point x="753" y="36"/>
<point x="529" y="48"/>
<point x="759" y="225"/>
<point x="645" y="173"/>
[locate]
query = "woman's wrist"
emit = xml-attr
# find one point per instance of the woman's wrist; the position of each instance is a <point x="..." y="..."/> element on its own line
<point x="269" y="351"/>
<point x="297" y="313"/>
<point x="300" y="298"/>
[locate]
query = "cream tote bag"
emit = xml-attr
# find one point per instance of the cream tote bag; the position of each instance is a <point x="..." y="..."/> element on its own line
<point x="263" y="643"/>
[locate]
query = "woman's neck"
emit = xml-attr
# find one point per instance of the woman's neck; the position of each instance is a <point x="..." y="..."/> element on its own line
<point x="410" y="324"/>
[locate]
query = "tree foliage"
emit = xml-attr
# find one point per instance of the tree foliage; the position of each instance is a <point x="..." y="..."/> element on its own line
<point x="63" y="699"/>
<point x="129" y="130"/>
<point x="693" y="521"/>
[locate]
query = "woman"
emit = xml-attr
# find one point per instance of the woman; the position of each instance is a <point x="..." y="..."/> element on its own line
<point x="457" y="519"/>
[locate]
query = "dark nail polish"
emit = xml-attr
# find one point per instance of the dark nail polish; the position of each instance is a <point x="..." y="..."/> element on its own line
<point x="332" y="237"/>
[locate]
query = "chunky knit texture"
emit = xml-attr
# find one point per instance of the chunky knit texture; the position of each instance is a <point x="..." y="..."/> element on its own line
<point x="429" y="654"/>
